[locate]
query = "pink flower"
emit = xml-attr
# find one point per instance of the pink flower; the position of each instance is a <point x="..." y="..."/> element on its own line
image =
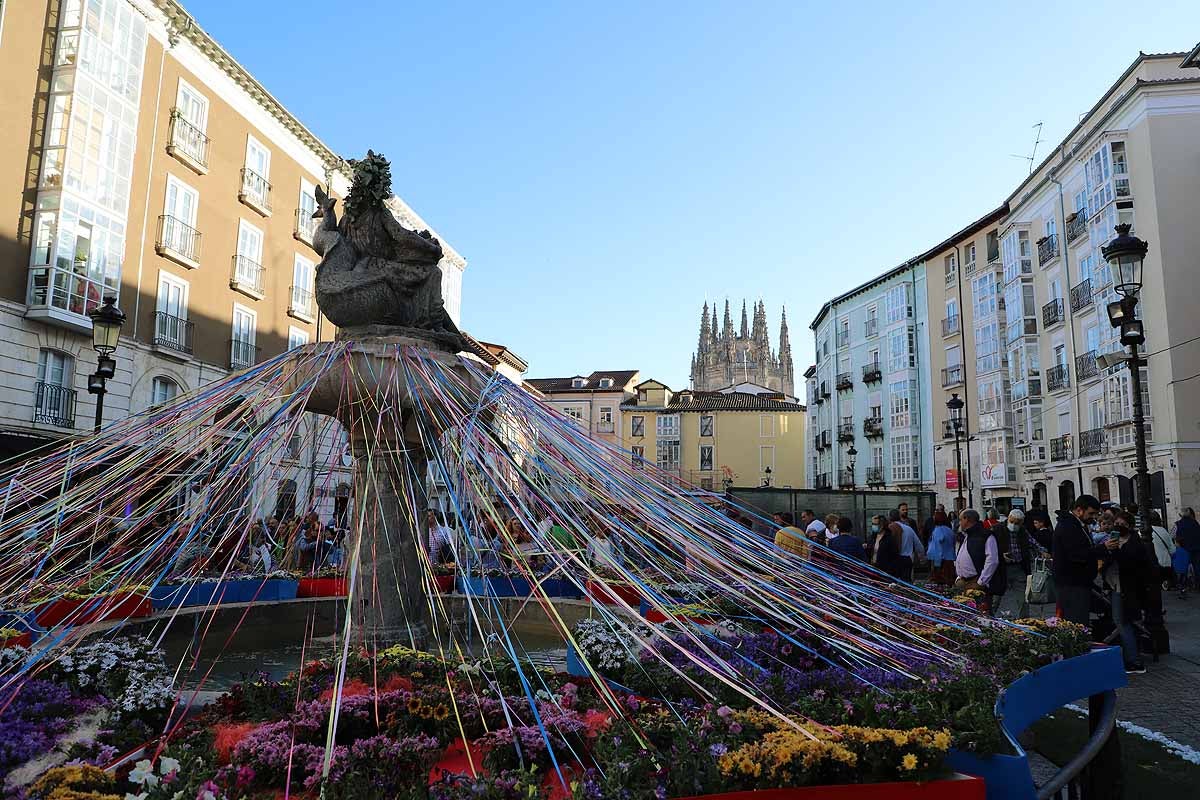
<point x="735" y="727"/>
<point x="724" y="712"/>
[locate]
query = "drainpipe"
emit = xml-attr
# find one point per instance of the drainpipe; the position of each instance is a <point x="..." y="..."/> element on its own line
<point x="912" y="282"/>
<point x="966" y="396"/>
<point x="1070" y="314"/>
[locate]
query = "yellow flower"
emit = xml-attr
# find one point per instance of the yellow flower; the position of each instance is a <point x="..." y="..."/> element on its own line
<point x="414" y="706"/>
<point x="909" y="762"/>
<point x="440" y="712"/>
<point x="941" y="740"/>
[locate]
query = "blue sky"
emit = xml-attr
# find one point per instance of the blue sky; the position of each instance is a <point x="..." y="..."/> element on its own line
<point x="608" y="167"/>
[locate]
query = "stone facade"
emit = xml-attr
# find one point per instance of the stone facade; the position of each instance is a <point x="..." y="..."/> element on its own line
<point x="724" y="358"/>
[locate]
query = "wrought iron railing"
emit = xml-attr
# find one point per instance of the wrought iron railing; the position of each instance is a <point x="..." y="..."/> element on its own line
<point x="1060" y="448"/>
<point x="845" y="430"/>
<point x="1076" y="226"/>
<point x="1093" y="442"/>
<point x="871" y="328"/>
<point x="872" y="427"/>
<point x="844" y="381"/>
<point x="845" y="479"/>
<point x="947" y="429"/>
<point x="1052" y="312"/>
<point x="255" y="189"/>
<point x="1058" y="377"/>
<point x="952" y="376"/>
<point x="177" y="237"/>
<point x="242" y="354"/>
<point x="1048" y="249"/>
<point x="306" y="226"/>
<point x="188" y="140"/>
<point x="872" y="373"/>
<point x="54" y="404"/>
<point x="302" y="303"/>
<point x="174" y="333"/>
<point x="247" y="275"/>
<point x="950" y="325"/>
<point x="821" y="481"/>
<point x="1081" y="295"/>
<point x="874" y="476"/>
<point x="1086" y="366"/>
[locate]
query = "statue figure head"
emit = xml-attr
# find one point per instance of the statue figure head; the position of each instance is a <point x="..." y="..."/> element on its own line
<point x="370" y="186"/>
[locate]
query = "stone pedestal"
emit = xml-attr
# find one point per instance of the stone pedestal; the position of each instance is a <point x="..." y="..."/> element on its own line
<point x="370" y="399"/>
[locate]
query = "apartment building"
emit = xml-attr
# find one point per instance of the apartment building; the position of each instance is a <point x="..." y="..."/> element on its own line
<point x="717" y="439"/>
<point x="869" y="389"/>
<point x="1021" y="296"/>
<point x="155" y="169"/>
<point x="592" y="401"/>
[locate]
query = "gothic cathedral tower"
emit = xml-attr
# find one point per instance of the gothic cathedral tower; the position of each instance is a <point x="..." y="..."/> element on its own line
<point x="726" y="358"/>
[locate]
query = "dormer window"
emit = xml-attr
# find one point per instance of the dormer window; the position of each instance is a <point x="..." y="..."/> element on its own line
<point x="606" y="383"/>
<point x="577" y="383"/>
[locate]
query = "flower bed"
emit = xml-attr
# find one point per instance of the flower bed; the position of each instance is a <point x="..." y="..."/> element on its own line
<point x="11" y="637"/>
<point x="97" y="608"/>
<point x="204" y="593"/>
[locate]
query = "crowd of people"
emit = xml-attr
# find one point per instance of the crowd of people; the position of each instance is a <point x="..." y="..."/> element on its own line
<point x="1091" y="559"/>
<point x="299" y="544"/>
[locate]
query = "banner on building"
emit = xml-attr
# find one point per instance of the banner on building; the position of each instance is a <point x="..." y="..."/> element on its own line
<point x="951" y="479"/>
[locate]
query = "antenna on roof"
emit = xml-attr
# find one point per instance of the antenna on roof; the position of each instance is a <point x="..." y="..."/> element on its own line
<point x="1032" y="157"/>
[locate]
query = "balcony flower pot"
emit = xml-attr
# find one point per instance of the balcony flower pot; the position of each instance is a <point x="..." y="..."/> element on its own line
<point x="612" y="593"/>
<point x="82" y="611"/>
<point x="322" y="587"/>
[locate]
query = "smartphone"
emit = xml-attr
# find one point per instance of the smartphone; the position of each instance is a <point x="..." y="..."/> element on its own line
<point x="1114" y="536"/>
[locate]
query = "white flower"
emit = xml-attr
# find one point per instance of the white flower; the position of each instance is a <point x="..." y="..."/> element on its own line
<point x="142" y="772"/>
<point x="132" y="796"/>
<point x="168" y="765"/>
<point x="206" y="795"/>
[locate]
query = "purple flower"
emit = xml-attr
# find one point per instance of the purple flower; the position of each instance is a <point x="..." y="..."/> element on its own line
<point x="724" y="712"/>
<point x="717" y="750"/>
<point x="735" y="727"/>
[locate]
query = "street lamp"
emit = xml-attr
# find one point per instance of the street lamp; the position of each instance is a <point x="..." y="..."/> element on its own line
<point x="1125" y="256"/>
<point x="106" y="332"/>
<point x="851" y="454"/>
<point x="955" y="404"/>
<point x="767" y="477"/>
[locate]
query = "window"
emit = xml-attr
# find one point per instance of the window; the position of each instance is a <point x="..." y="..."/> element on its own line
<point x="875" y="405"/>
<point x="574" y="412"/>
<point x="766" y="425"/>
<point x="637" y="426"/>
<point x="294" y="447"/>
<point x="668" y="454"/>
<point x="258" y="158"/>
<point x="983" y="295"/>
<point x="766" y="458"/>
<point x="297" y="337"/>
<point x="872" y="323"/>
<point x="987" y="348"/>
<point x="1016" y="254"/>
<point x="952" y="308"/>
<point x="954" y="356"/>
<point x="192" y="106"/>
<point x="578" y="383"/>
<point x="706" y="457"/>
<point x="306" y="226"/>
<point x="896" y="304"/>
<point x="606" y="415"/>
<point x="904" y="459"/>
<point x="706" y="424"/>
<point x="969" y="258"/>
<point x="247" y="264"/>
<point x="606" y="383"/>
<point x="667" y="425"/>
<point x="951" y="267"/>
<point x="54" y="403"/>
<point x="163" y="390"/>
<point x="877" y="456"/>
<point x="242" y="351"/>
<point x="179" y="219"/>
<point x="991" y="404"/>
<point x="302" y="287"/>
<point x="901" y="354"/>
<point x="171" y="328"/>
<point x="901" y="409"/>
<point x="639" y="456"/>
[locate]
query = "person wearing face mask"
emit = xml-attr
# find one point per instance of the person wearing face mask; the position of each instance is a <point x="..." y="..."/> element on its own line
<point x="1125" y="576"/>
<point x="1019" y="556"/>
<point x="1075" y="559"/>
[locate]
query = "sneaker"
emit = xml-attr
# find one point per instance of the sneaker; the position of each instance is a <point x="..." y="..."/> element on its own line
<point x="1136" y="668"/>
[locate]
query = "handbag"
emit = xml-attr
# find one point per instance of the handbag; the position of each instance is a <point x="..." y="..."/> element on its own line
<point x="1039" y="586"/>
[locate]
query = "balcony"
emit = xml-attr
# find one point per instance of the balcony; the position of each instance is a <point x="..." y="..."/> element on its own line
<point x="1081" y="295"/>
<point x="302" y="306"/>
<point x="845" y="479"/>
<point x="952" y="376"/>
<point x="1031" y="453"/>
<point x="1048" y="249"/>
<point x="821" y="481"/>
<point x="1076" y="225"/>
<point x="824" y="390"/>
<point x="947" y="429"/>
<point x="177" y="241"/>
<point x="871" y="373"/>
<point x="842" y="339"/>
<point x="1086" y="366"/>
<point x="844" y="381"/>
<point x="604" y="427"/>
<point x="1058" y="378"/>
<point x="255" y="192"/>
<point x="247" y="277"/>
<point x="54" y="404"/>
<point x="1025" y="326"/>
<point x="1052" y="313"/>
<point x="1060" y="448"/>
<point x="188" y="143"/>
<point x="845" y="430"/>
<point x="873" y="427"/>
<point x="825" y="438"/>
<point x="172" y="333"/>
<point x="871" y="328"/>
<point x="305" y="227"/>
<point x="874" y="476"/>
<point x="1030" y="387"/>
<point x="1093" y="442"/>
<point x="242" y="354"/>
<point x="951" y="325"/>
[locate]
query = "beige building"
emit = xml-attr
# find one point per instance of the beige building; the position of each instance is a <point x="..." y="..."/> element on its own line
<point x="592" y="401"/>
<point x="712" y="440"/>
<point x="155" y="169"/>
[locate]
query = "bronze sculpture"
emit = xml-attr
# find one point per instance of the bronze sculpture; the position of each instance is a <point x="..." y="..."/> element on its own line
<point x="376" y="276"/>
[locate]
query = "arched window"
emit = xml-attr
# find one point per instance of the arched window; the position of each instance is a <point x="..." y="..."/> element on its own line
<point x="163" y="390"/>
<point x="1066" y="495"/>
<point x="341" y="505"/>
<point x="1103" y="491"/>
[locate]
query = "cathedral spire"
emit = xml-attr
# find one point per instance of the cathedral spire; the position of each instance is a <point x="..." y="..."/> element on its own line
<point x="785" y="347"/>
<point x="745" y="331"/>
<point x="727" y="324"/>
<point x="705" y="330"/>
<point x="759" y="331"/>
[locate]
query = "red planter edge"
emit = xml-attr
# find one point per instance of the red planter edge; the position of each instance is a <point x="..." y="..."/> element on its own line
<point x="953" y="787"/>
<point x="23" y="640"/>
<point x="119" y="605"/>
<point x="322" y="587"/>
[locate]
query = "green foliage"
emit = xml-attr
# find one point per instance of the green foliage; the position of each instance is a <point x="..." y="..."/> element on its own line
<point x="372" y="184"/>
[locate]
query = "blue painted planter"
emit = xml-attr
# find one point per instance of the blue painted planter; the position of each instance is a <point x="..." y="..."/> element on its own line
<point x="1027" y="700"/>
<point x="574" y="664"/>
<point x="561" y="587"/>
<point x="213" y="592"/>
<point x="494" y="587"/>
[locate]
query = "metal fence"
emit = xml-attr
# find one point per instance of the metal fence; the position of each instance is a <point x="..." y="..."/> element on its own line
<point x="859" y="506"/>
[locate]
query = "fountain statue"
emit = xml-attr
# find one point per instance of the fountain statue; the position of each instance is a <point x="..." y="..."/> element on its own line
<point x="380" y="284"/>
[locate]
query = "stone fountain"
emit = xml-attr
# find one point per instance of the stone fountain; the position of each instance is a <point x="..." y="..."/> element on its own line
<point x="380" y="284"/>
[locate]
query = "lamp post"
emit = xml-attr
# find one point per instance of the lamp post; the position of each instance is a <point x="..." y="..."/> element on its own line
<point x="851" y="454"/>
<point x="1125" y="255"/>
<point x="767" y="477"/>
<point x="955" y="404"/>
<point x="106" y="331"/>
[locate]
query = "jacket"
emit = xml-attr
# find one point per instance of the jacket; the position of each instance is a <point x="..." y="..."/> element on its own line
<point x="1188" y="531"/>
<point x="1133" y="565"/>
<point x="1075" y="557"/>
<point x="848" y="545"/>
